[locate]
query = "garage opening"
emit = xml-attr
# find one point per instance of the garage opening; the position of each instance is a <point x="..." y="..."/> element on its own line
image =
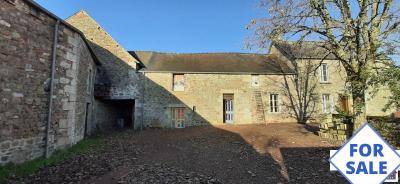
<point x="125" y="113"/>
<point x="117" y="113"/>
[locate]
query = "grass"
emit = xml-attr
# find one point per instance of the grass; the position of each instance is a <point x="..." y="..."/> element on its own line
<point x="30" y="167"/>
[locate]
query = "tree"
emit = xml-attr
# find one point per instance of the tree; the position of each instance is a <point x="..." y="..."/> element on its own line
<point x="300" y="90"/>
<point x="389" y="77"/>
<point x="357" y="33"/>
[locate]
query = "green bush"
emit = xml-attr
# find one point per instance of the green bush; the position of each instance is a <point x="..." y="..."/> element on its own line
<point x="388" y="127"/>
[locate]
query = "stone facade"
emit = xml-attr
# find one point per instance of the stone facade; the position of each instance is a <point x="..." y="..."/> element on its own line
<point x="203" y="93"/>
<point x="118" y="79"/>
<point x="331" y="126"/>
<point x="336" y="86"/>
<point x="202" y="98"/>
<point x="26" y="41"/>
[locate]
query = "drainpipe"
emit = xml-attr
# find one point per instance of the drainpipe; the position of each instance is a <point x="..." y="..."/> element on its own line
<point x="53" y="67"/>
<point x="143" y="100"/>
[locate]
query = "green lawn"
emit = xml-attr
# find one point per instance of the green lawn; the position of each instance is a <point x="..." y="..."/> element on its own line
<point x="30" y="167"/>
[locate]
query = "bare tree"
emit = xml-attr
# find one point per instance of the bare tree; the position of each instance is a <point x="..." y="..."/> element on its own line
<point x="300" y="90"/>
<point x="388" y="77"/>
<point x="356" y="32"/>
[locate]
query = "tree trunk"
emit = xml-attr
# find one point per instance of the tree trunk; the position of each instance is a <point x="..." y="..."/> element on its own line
<point x="359" y="109"/>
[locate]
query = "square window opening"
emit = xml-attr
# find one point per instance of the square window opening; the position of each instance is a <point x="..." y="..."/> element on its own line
<point x="178" y="82"/>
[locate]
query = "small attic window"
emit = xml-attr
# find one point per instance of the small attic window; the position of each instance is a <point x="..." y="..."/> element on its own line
<point x="178" y="82"/>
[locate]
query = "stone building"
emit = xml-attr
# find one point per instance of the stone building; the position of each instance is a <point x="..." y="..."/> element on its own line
<point x="183" y="90"/>
<point x="97" y="84"/>
<point x="38" y="49"/>
<point x="333" y="82"/>
<point x="118" y="87"/>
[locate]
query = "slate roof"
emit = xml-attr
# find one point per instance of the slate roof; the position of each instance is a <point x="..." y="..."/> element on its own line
<point x="304" y="50"/>
<point x="212" y="63"/>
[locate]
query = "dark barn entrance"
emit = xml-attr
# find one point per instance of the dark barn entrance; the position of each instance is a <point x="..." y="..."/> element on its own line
<point x="126" y="112"/>
<point x="122" y="113"/>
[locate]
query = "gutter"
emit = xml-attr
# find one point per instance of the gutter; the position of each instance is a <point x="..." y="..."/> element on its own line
<point x="143" y="99"/>
<point x="226" y="73"/>
<point x="53" y="67"/>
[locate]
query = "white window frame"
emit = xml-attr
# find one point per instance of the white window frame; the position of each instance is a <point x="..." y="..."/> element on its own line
<point x="327" y="104"/>
<point x="173" y="82"/>
<point x="324" y="68"/>
<point x="274" y="104"/>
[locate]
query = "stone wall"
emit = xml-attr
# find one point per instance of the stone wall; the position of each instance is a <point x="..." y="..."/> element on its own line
<point x="338" y="130"/>
<point x="204" y="94"/>
<point x="203" y="99"/>
<point x="26" y="40"/>
<point x="117" y="78"/>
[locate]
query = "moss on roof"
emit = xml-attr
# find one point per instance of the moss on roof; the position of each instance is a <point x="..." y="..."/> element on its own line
<point x="304" y="50"/>
<point x="212" y="63"/>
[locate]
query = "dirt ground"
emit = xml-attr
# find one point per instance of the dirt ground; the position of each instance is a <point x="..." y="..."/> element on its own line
<point x="275" y="153"/>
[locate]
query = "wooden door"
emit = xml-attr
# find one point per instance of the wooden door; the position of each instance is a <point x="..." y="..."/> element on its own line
<point x="344" y="103"/>
<point x="178" y="117"/>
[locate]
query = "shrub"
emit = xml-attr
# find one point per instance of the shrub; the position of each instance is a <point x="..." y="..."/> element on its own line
<point x="388" y="127"/>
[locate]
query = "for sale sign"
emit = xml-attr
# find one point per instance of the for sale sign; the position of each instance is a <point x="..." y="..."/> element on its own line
<point x="366" y="157"/>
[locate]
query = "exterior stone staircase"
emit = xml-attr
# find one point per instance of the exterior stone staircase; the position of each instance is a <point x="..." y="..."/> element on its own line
<point x="336" y="129"/>
<point x="259" y="111"/>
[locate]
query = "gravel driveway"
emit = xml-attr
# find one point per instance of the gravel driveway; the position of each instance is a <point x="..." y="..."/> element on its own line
<point x="276" y="153"/>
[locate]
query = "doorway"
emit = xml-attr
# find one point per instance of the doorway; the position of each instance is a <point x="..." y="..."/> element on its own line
<point x="344" y="103"/>
<point x="178" y="117"/>
<point x="228" y="108"/>
<point x="86" y="131"/>
<point x="126" y="112"/>
<point x="120" y="113"/>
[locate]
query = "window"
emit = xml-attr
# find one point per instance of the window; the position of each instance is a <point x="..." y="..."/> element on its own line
<point x="178" y="82"/>
<point x="327" y="103"/>
<point x="324" y="72"/>
<point x="274" y="102"/>
<point x="89" y="82"/>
